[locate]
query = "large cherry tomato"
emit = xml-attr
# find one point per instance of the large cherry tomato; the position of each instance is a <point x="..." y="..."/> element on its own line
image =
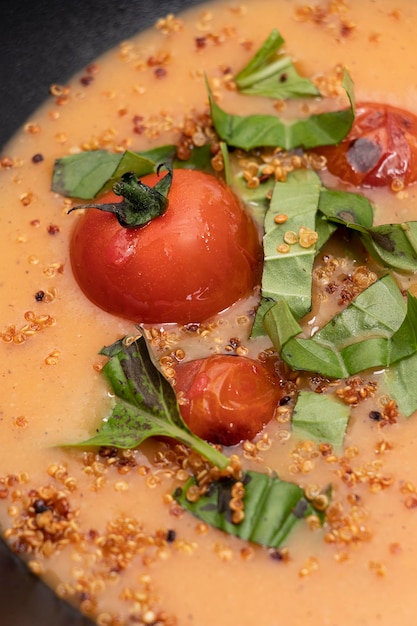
<point x="226" y="399"/>
<point x="199" y="257"/>
<point x="380" y="150"/>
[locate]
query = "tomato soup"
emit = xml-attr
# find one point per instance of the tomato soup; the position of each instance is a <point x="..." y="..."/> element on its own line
<point x="102" y="526"/>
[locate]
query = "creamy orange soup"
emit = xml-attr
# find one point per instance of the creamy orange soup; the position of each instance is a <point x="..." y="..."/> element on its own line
<point x="105" y="545"/>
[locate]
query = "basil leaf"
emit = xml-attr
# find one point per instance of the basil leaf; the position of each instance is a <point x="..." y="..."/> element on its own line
<point x="273" y="76"/>
<point x="280" y="324"/>
<point x="321" y="417"/>
<point x="266" y="52"/>
<point x="254" y="131"/>
<point x="160" y="154"/>
<point x="392" y="245"/>
<point x="129" y="162"/>
<point x="375" y="330"/>
<point x="400" y="380"/>
<point x="306" y="203"/>
<point x="85" y="175"/>
<point x="200" y="159"/>
<point x="336" y="206"/>
<point x="88" y="174"/>
<point x="146" y="404"/>
<point x="324" y="229"/>
<point x="346" y="207"/>
<point x="289" y="274"/>
<point x="255" y="200"/>
<point x="258" y="329"/>
<point x="272" y="508"/>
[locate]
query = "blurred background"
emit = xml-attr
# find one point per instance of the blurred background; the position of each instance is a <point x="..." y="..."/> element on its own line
<point x="46" y="41"/>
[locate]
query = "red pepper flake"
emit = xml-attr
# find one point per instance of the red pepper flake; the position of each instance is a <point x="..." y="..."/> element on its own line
<point x="86" y="80"/>
<point x="7" y="162"/>
<point x="376" y="416"/>
<point x="201" y="42"/>
<point x="138" y="126"/>
<point x="160" y="72"/>
<point x="92" y="68"/>
<point x="279" y="554"/>
<point x="53" y="229"/>
<point x="192" y="328"/>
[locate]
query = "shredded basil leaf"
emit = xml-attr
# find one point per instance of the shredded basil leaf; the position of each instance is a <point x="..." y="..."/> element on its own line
<point x="321" y="417"/>
<point x="272" y="508"/>
<point x="392" y="245"/>
<point x="346" y="207"/>
<point x="146" y="404"/>
<point x="255" y="200"/>
<point x="305" y="203"/>
<point x="375" y="330"/>
<point x="89" y="174"/>
<point x="85" y="174"/>
<point x="401" y="383"/>
<point x="254" y="131"/>
<point x="289" y="274"/>
<point x="272" y="75"/>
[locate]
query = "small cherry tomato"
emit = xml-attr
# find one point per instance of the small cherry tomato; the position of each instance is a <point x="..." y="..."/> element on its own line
<point x="226" y="399"/>
<point x="193" y="261"/>
<point x="380" y="150"/>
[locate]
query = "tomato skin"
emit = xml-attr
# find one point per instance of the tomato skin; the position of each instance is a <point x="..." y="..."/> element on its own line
<point x="199" y="257"/>
<point x="226" y="399"/>
<point x="380" y="150"/>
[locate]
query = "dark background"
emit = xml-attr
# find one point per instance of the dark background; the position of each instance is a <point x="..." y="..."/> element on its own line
<point x="44" y="42"/>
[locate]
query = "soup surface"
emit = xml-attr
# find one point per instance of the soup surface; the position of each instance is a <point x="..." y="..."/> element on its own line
<point x="102" y="527"/>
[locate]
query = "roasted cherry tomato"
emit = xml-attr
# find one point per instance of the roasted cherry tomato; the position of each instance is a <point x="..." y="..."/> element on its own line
<point x="380" y="150"/>
<point x="199" y="257"/>
<point x="226" y="399"/>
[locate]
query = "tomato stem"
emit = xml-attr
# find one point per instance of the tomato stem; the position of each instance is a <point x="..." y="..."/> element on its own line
<point x="140" y="203"/>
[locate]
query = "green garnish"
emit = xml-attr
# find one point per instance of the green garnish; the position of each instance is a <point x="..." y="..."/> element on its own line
<point x="273" y="75"/>
<point x="254" y="131"/>
<point x="146" y="404"/>
<point x="401" y="383"/>
<point x="89" y="174"/>
<point x="345" y="207"/>
<point x="272" y="507"/>
<point x="392" y="245"/>
<point x="289" y="274"/>
<point x="375" y="330"/>
<point x="321" y="417"/>
<point x="305" y="203"/>
<point x="140" y="203"/>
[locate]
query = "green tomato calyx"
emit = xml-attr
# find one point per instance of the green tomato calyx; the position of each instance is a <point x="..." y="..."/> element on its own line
<point x="140" y="203"/>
